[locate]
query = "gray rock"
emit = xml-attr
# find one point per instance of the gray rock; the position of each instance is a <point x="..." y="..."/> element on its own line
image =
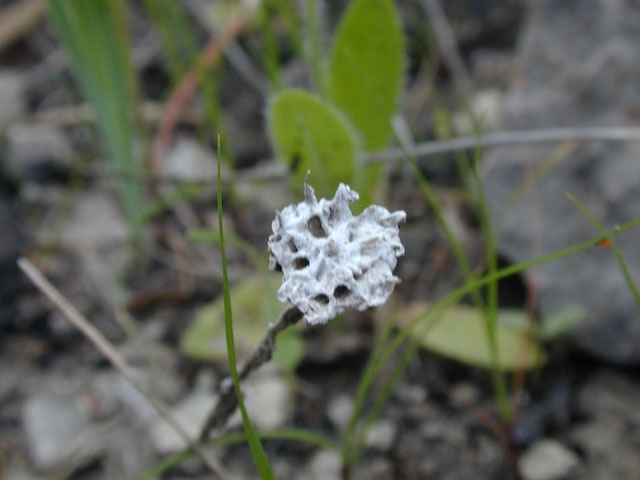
<point x="339" y="410"/>
<point x="547" y="460"/>
<point x="268" y="399"/>
<point x="576" y="65"/>
<point x="53" y="428"/>
<point x="610" y="435"/>
<point x="32" y="147"/>
<point x="191" y="414"/>
<point x="324" y="465"/>
<point x="189" y="161"/>
<point x="13" y="101"/>
<point x="381" y="435"/>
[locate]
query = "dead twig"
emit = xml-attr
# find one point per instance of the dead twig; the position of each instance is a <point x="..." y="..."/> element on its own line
<point x="94" y="335"/>
<point x="227" y="402"/>
<point x="500" y="139"/>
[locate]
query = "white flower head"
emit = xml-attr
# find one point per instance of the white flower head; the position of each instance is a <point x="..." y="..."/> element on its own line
<point x="331" y="260"/>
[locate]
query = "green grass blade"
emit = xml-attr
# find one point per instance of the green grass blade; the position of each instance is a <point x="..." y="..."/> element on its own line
<point x="614" y="246"/>
<point x="290" y="434"/>
<point x="491" y="307"/>
<point x="259" y="456"/>
<point x="94" y="36"/>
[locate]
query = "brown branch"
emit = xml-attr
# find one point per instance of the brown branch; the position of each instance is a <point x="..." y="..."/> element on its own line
<point x="116" y="359"/>
<point x="227" y="402"/>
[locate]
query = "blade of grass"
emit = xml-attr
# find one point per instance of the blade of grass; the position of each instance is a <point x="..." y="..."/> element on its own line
<point x="614" y="246"/>
<point x="491" y="307"/>
<point x="290" y="434"/>
<point x="259" y="456"/>
<point x="94" y="35"/>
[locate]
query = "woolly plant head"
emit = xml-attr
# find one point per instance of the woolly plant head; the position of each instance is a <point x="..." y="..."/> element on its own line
<point x="331" y="260"/>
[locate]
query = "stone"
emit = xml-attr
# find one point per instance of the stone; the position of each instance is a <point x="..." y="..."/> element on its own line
<point x="190" y="413"/>
<point x="189" y="161"/>
<point x="339" y="410"/>
<point x="13" y="102"/>
<point x="381" y="435"/>
<point x="590" y="80"/>
<point x="547" y="460"/>
<point x="324" y="465"/>
<point x="332" y="261"/>
<point x="39" y="152"/>
<point x="267" y="396"/>
<point x="609" y="436"/>
<point x="53" y="427"/>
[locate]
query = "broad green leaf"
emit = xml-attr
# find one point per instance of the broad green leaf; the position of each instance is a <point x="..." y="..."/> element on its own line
<point x="310" y="134"/>
<point x="254" y="302"/>
<point x="366" y="69"/>
<point x="459" y="332"/>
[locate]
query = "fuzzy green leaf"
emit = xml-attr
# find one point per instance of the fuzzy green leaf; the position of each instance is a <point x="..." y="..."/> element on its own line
<point x="366" y="69"/>
<point x="460" y="333"/>
<point x="310" y="134"/>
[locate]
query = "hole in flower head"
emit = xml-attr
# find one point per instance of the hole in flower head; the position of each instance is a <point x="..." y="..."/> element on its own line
<point x="322" y="298"/>
<point x="300" y="263"/>
<point x="315" y="227"/>
<point x="278" y="267"/>
<point x="341" y="291"/>
<point x="293" y="246"/>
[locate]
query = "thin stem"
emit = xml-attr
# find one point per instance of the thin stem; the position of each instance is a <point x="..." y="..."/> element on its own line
<point x="500" y="139"/>
<point x="491" y="310"/>
<point x="613" y="245"/>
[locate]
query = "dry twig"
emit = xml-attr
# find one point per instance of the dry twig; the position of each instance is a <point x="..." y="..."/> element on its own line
<point x="227" y="402"/>
<point x="500" y="139"/>
<point x="93" y="334"/>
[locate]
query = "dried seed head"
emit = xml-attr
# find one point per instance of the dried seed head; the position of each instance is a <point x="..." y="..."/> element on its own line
<point x="333" y="261"/>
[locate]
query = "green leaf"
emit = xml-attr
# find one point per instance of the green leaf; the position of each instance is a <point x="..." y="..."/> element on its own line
<point x="561" y="321"/>
<point x="310" y="134"/>
<point x="254" y="302"/>
<point x="289" y="350"/>
<point x="366" y="69"/>
<point x="95" y="37"/>
<point x="459" y="332"/>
